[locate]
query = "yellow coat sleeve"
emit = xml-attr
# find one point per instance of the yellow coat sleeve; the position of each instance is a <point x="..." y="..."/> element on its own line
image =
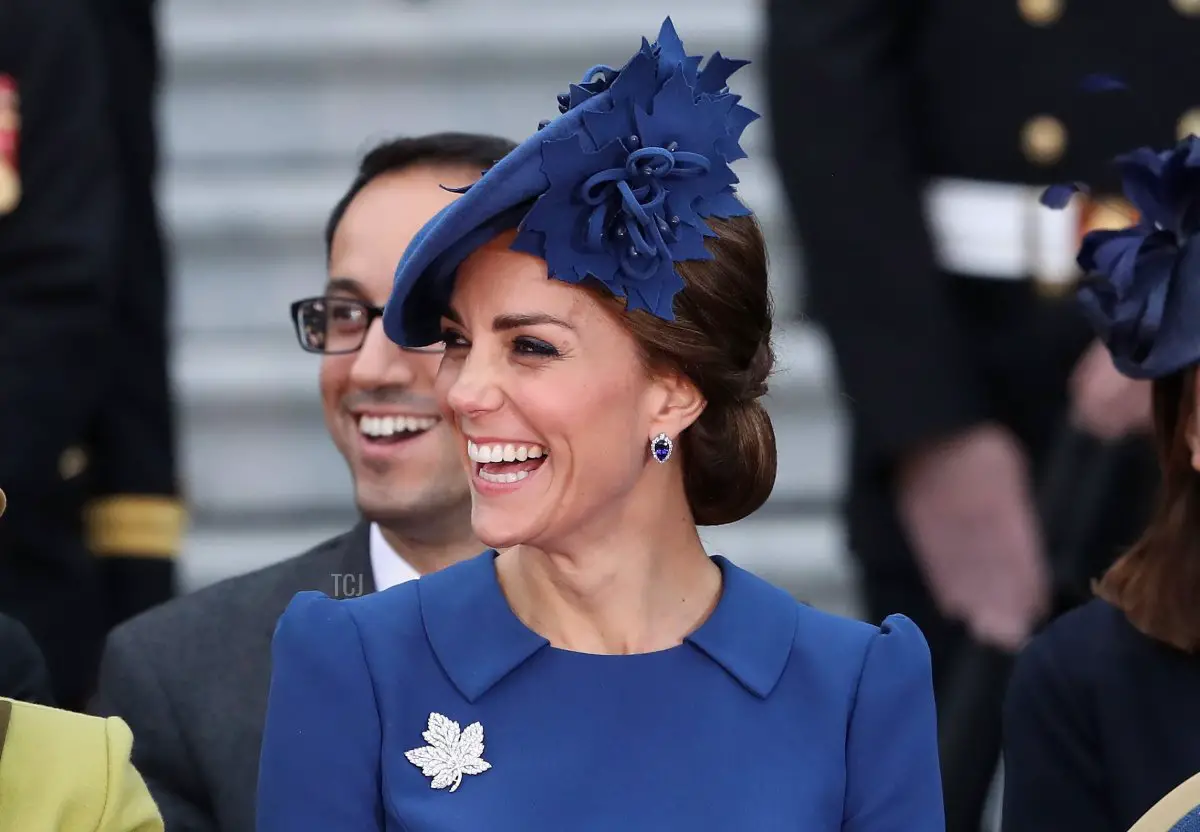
<point x="66" y="772"/>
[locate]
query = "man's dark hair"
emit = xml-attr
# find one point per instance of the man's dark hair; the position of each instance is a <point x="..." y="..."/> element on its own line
<point x="399" y="154"/>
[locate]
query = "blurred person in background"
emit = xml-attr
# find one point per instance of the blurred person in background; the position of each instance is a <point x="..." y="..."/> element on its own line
<point x="1100" y="718"/>
<point x="23" y="673"/>
<point x="907" y="153"/>
<point x="191" y="677"/>
<point x="912" y="150"/>
<point x="134" y="518"/>
<point x="85" y="447"/>
<point x="61" y="770"/>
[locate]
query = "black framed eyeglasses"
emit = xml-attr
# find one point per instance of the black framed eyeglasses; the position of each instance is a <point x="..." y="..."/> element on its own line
<point x="336" y="325"/>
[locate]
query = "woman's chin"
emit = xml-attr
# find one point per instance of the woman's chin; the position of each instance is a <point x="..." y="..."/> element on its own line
<point x="498" y="531"/>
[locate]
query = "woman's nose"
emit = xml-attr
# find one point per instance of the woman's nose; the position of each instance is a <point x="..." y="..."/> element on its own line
<point x="475" y="385"/>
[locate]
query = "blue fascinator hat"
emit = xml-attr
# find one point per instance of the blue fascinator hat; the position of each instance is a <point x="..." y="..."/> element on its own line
<point x="1142" y="287"/>
<point x="616" y="189"/>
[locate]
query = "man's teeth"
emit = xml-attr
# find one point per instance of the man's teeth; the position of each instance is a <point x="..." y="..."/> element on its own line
<point x="390" y="425"/>
<point x="503" y="453"/>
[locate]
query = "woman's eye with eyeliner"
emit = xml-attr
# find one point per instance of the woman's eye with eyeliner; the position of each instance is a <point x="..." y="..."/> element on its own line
<point x="533" y="346"/>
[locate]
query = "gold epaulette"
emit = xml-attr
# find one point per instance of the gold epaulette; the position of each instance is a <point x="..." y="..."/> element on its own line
<point x="137" y="525"/>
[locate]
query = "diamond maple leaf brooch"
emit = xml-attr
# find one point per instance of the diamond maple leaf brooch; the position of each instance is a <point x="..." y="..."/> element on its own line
<point x="450" y="753"/>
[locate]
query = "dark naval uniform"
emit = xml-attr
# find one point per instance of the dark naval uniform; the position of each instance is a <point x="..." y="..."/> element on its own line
<point x="85" y="434"/>
<point x="134" y="517"/>
<point x="913" y="138"/>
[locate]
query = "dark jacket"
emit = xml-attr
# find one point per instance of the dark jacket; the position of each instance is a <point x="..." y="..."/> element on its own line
<point x="1099" y="725"/>
<point x="22" y="668"/>
<point x="191" y="679"/>
<point x="870" y="99"/>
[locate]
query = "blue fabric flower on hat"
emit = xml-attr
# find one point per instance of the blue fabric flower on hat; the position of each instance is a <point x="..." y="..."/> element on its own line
<point x="630" y="187"/>
<point x="1141" y="278"/>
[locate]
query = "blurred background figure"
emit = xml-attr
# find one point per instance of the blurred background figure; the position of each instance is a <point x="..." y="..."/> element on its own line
<point x="23" y="673"/>
<point x="134" y="518"/>
<point x="69" y="772"/>
<point x="1092" y="733"/>
<point x="84" y="431"/>
<point x="913" y="153"/>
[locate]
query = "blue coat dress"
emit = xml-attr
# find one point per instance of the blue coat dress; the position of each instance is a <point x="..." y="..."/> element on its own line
<point x="432" y="708"/>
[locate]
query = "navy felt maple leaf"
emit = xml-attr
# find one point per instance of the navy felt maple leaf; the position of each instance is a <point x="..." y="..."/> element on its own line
<point x="646" y="163"/>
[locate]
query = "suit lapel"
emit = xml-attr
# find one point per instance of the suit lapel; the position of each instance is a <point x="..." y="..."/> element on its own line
<point x="356" y="561"/>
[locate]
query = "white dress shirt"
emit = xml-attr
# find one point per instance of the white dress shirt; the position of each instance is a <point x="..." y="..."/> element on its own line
<point x="387" y="566"/>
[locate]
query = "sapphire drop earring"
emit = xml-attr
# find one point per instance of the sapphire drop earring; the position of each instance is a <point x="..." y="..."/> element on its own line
<point x="661" y="447"/>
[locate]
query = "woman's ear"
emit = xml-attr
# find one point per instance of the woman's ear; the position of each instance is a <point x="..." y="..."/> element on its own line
<point x="678" y="403"/>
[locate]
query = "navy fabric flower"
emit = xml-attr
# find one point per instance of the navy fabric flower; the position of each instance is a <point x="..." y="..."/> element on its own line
<point x="1142" y="293"/>
<point x="618" y="188"/>
<point x="631" y="185"/>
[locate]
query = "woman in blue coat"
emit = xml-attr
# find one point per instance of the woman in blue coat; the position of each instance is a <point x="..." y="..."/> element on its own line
<point x="598" y="670"/>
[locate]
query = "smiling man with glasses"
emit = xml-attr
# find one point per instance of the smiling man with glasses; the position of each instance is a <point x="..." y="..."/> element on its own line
<point x="191" y="677"/>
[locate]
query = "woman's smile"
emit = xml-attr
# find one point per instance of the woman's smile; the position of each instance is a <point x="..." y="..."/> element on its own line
<point x="500" y="467"/>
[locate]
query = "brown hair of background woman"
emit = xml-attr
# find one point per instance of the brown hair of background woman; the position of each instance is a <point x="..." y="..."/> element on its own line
<point x="1157" y="582"/>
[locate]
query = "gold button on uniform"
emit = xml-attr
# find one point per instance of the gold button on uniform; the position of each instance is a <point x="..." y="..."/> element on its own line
<point x="1189" y="124"/>
<point x="1043" y="140"/>
<point x="1040" y="12"/>
<point x="72" y="463"/>
<point x="1187" y="8"/>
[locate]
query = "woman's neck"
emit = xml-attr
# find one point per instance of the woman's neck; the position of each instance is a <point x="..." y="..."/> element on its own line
<point x="626" y="593"/>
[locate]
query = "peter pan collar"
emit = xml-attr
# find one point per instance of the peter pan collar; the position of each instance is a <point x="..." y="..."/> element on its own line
<point x="478" y="640"/>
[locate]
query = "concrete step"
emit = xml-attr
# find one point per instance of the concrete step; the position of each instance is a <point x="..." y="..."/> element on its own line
<point x="445" y="31"/>
<point x="328" y="81"/>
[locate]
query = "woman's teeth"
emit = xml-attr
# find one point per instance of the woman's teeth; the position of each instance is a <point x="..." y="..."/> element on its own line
<point x="503" y="453"/>
<point x="489" y="457"/>
<point x="510" y="477"/>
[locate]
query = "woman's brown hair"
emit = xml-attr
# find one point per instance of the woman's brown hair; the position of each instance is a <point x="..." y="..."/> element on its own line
<point x="1157" y="582"/>
<point x="721" y="340"/>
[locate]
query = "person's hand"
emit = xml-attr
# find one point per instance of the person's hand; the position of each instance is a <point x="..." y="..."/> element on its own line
<point x="968" y="511"/>
<point x="1105" y="403"/>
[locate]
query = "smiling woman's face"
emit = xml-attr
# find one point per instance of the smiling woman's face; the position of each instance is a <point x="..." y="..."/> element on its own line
<point x="549" y="395"/>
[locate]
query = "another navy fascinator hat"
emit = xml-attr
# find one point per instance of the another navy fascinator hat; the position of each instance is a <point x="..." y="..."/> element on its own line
<point x="1142" y="291"/>
<point x="617" y="188"/>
